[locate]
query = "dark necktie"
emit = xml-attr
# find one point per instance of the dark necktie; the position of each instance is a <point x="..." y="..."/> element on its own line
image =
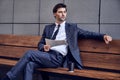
<point x="55" y="33"/>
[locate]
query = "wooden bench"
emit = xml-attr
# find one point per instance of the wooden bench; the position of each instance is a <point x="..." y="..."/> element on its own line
<point x="100" y="61"/>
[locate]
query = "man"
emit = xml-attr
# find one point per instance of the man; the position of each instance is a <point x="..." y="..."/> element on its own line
<point x="47" y="56"/>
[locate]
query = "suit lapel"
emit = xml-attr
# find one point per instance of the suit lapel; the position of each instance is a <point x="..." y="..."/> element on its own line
<point x="51" y="29"/>
<point x="68" y="31"/>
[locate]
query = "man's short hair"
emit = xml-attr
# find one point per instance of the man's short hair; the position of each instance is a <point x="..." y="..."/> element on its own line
<point x="59" y="5"/>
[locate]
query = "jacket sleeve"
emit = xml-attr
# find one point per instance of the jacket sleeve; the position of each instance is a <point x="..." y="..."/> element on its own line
<point x="83" y="34"/>
<point x="42" y="41"/>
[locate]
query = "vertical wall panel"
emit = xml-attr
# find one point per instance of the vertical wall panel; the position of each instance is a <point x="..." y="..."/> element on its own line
<point x="46" y="6"/>
<point x="26" y="29"/>
<point x="5" y="28"/>
<point x="6" y="11"/>
<point x="31" y="16"/>
<point x="111" y="29"/>
<point x="83" y="11"/>
<point x="110" y="11"/>
<point x="89" y="27"/>
<point x="110" y="18"/>
<point x="26" y="11"/>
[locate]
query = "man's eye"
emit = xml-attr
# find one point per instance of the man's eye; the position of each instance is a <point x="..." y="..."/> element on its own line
<point x="59" y="12"/>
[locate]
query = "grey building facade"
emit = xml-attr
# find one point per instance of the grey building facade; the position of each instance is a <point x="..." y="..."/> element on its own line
<point x="29" y="17"/>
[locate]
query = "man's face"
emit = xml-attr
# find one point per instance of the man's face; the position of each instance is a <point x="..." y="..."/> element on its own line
<point x="60" y="15"/>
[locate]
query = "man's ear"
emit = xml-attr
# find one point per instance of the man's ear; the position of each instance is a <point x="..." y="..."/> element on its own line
<point x="54" y="14"/>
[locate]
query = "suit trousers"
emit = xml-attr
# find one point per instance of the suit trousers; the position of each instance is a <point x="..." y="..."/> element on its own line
<point x="35" y="59"/>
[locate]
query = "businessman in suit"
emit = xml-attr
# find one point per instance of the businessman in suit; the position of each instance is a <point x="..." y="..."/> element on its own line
<point x="56" y="56"/>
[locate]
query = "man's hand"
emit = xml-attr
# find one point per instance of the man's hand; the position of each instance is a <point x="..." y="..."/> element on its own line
<point x="46" y="48"/>
<point x="107" y="39"/>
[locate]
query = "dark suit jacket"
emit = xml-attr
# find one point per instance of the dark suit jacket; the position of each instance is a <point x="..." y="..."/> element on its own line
<point x="73" y="33"/>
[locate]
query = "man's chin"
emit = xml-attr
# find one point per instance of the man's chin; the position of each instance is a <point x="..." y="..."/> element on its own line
<point x="62" y="20"/>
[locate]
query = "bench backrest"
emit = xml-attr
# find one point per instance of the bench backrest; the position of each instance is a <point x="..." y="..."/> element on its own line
<point x="97" y="54"/>
<point x="94" y="54"/>
<point x="14" y="46"/>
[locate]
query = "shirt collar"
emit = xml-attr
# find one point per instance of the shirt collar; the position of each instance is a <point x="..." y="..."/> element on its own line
<point x="62" y="24"/>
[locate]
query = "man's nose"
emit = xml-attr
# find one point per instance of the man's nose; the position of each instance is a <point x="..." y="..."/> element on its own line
<point x="63" y="14"/>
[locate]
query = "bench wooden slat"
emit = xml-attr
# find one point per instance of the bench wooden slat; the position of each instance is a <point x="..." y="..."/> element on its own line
<point x="13" y="52"/>
<point x="19" y="40"/>
<point x="84" y="73"/>
<point x="99" y="46"/>
<point x="85" y="45"/>
<point x="7" y="62"/>
<point x="98" y="60"/>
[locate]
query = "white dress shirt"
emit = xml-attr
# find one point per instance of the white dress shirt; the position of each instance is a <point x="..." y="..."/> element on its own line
<point x="60" y="36"/>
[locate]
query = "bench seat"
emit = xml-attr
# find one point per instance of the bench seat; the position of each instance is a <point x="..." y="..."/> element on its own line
<point x="87" y="73"/>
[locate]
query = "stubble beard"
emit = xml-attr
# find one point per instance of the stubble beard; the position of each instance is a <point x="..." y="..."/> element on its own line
<point x="62" y="19"/>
